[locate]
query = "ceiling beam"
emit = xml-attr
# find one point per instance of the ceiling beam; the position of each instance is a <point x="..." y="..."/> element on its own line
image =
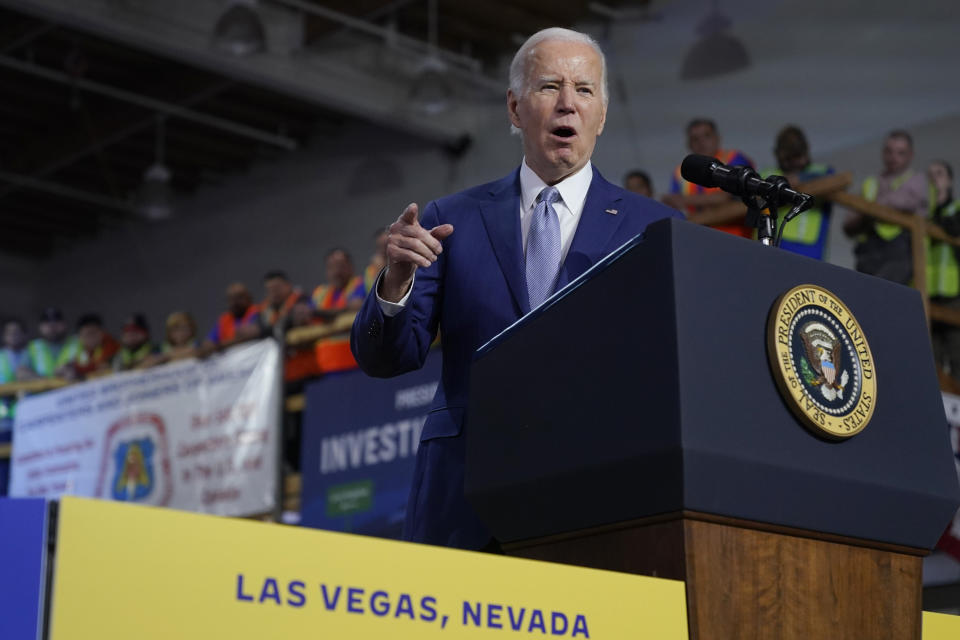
<point x="318" y="79"/>
<point x="69" y="155"/>
<point x="35" y="184"/>
<point x="161" y="106"/>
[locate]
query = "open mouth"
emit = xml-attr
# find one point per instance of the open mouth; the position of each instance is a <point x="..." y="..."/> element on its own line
<point x="564" y="132"/>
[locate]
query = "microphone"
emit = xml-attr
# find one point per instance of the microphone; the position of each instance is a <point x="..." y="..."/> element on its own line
<point x="741" y="181"/>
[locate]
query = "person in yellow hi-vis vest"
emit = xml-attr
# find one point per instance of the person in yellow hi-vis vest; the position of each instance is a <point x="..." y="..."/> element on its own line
<point x="883" y="249"/>
<point x="943" y="272"/>
<point x="807" y="233"/>
<point x="52" y="352"/>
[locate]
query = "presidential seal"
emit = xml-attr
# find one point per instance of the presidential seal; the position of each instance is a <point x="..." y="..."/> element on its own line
<point x="821" y="362"/>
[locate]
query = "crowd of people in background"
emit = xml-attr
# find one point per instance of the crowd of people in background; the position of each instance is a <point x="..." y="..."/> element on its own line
<point x="881" y="249"/>
<point x="285" y="311"/>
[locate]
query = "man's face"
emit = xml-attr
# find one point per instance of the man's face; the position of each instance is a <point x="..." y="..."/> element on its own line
<point x="14" y="337"/>
<point x="339" y="269"/>
<point x="278" y="290"/>
<point x="638" y="185"/>
<point x="703" y="139"/>
<point x="90" y="336"/>
<point x="53" y="330"/>
<point x="238" y="299"/>
<point x="562" y="112"/>
<point x="897" y="155"/>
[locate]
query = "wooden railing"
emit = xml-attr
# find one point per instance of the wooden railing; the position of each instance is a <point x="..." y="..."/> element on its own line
<point x="834" y="188"/>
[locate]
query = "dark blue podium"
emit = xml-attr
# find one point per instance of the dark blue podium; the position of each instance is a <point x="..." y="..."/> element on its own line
<point x="633" y="423"/>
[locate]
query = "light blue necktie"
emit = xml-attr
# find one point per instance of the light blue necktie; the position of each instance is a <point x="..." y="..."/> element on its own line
<point x="543" y="248"/>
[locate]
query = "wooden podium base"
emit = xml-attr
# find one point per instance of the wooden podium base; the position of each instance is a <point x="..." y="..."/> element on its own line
<point x="751" y="580"/>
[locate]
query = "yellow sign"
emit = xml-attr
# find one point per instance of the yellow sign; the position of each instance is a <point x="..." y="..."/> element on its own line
<point x="821" y="362"/>
<point x="125" y="571"/>
<point x="940" y="626"/>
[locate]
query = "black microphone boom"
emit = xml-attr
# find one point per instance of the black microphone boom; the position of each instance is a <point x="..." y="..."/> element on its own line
<point x="740" y="181"/>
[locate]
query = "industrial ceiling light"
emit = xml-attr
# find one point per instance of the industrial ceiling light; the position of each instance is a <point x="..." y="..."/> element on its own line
<point x="239" y="31"/>
<point x="716" y="53"/>
<point x="430" y="91"/>
<point x="155" y="201"/>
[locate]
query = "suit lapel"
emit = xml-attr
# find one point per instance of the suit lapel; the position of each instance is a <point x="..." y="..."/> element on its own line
<point x="599" y="221"/>
<point x="501" y="217"/>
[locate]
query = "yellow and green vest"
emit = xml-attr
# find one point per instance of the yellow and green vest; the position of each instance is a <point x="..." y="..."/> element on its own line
<point x="943" y="271"/>
<point x="46" y="358"/>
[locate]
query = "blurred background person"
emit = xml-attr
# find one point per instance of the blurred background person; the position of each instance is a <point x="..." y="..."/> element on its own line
<point x="180" y="339"/>
<point x="704" y="139"/>
<point x="378" y="260"/>
<point x="883" y="249"/>
<point x="639" y="182"/>
<point x="281" y="295"/>
<point x="239" y="322"/>
<point x="181" y="336"/>
<point x="807" y="233"/>
<point x="97" y="347"/>
<point x="52" y="352"/>
<point x="135" y="344"/>
<point x="13" y="358"/>
<point x="302" y="363"/>
<point x="343" y="290"/>
<point x="943" y="273"/>
<point x="343" y="294"/>
<point x="302" y="348"/>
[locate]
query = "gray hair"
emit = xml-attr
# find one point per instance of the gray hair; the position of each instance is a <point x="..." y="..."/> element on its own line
<point x="519" y="80"/>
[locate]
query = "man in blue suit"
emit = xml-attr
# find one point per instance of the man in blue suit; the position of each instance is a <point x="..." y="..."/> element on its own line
<point x="478" y="260"/>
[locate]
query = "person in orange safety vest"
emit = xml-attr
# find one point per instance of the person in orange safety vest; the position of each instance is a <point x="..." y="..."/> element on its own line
<point x="692" y="199"/>
<point x="343" y="292"/>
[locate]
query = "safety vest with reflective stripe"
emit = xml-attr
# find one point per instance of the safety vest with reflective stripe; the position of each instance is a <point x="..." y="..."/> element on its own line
<point x="128" y="358"/>
<point x="943" y="271"/>
<point x="871" y="187"/>
<point x="269" y="316"/>
<point x="726" y="156"/>
<point x="7" y="374"/>
<point x="333" y="354"/>
<point x="810" y="227"/>
<point x="227" y="323"/>
<point x="46" y="357"/>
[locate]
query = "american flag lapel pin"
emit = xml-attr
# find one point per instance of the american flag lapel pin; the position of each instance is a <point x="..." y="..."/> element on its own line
<point x="612" y="212"/>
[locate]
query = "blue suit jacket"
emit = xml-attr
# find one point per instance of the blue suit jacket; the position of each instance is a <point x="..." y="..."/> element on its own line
<point x="473" y="291"/>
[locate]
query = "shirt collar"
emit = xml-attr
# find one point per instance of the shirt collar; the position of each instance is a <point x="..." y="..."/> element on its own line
<point x="573" y="189"/>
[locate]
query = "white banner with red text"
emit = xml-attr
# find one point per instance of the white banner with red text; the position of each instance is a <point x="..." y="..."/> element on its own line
<point x="197" y="435"/>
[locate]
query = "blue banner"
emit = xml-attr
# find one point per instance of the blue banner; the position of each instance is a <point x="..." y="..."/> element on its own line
<point x="23" y="556"/>
<point x="360" y="438"/>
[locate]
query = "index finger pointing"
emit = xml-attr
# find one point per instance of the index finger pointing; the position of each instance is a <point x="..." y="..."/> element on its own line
<point x="410" y="214"/>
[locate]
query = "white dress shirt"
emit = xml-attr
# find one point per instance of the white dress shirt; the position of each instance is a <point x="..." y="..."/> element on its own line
<point x="573" y="194"/>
